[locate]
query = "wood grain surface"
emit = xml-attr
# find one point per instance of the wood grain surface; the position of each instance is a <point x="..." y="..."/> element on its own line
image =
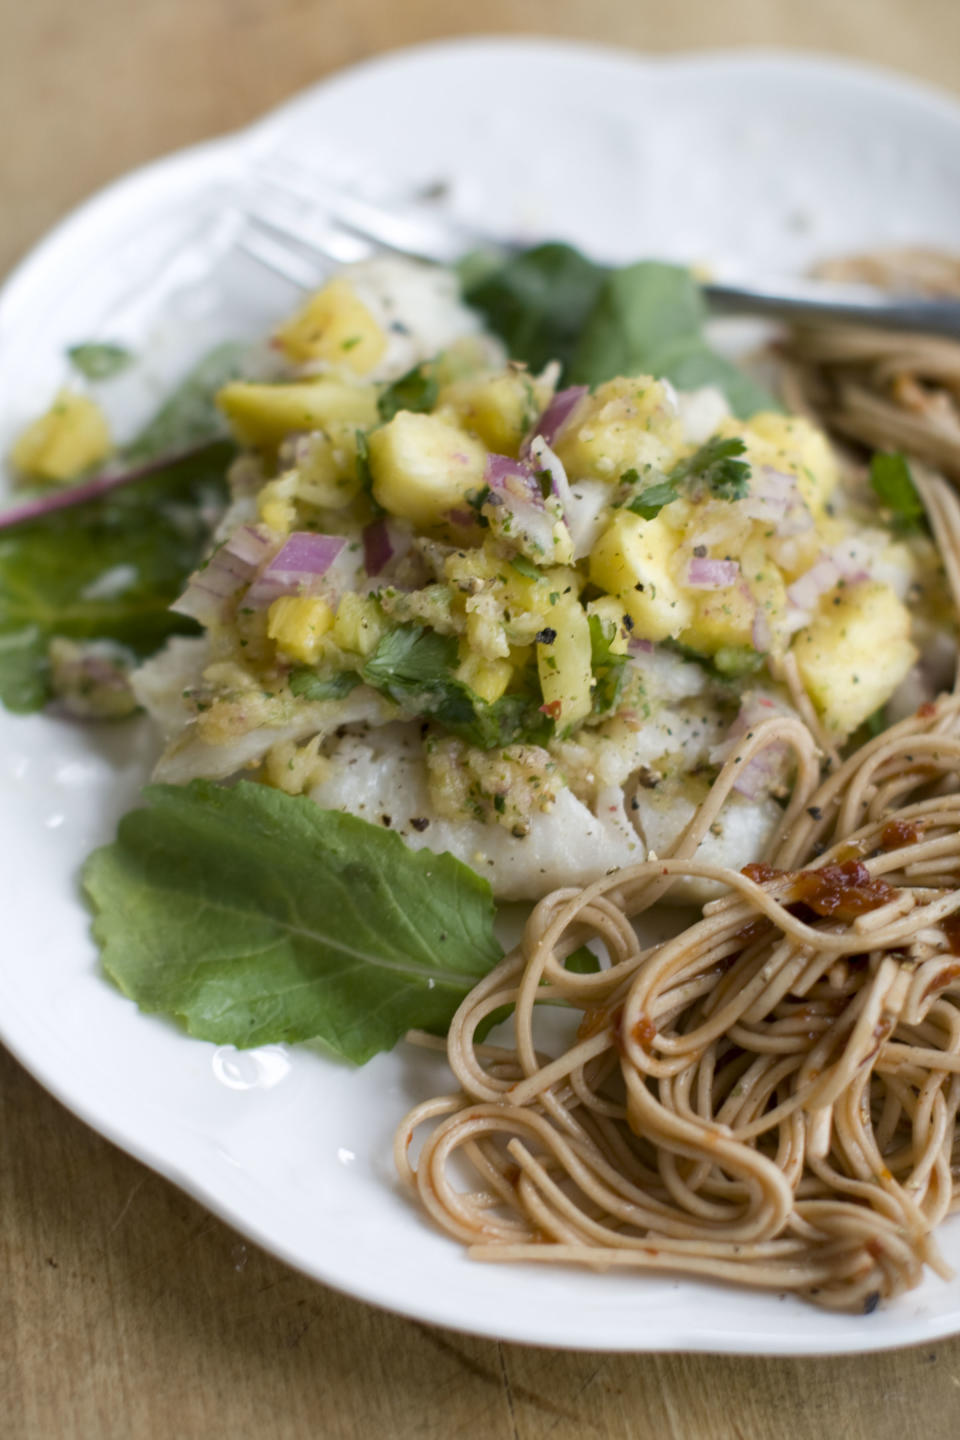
<point x="127" y="1311"/>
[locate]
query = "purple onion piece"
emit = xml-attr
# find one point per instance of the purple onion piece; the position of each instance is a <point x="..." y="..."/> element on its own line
<point x="706" y="574"/>
<point x="556" y="415"/>
<point x="297" y="568"/>
<point x="227" y="572"/>
<point x="377" y="546"/>
<point x="513" y="479"/>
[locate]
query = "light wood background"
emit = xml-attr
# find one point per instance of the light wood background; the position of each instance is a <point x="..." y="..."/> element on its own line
<point x="126" y="1310"/>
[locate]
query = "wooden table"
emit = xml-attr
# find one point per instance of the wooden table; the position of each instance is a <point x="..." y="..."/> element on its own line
<point x="128" y="1311"/>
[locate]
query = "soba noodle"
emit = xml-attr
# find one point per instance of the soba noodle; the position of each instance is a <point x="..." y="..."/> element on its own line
<point x="771" y="1096"/>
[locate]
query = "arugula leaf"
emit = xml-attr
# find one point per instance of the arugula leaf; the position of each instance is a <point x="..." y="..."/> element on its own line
<point x="190" y="416"/>
<point x="312" y="685"/>
<point x="538" y="302"/>
<point x="892" y="483"/>
<point x="715" y="463"/>
<point x="107" y="569"/>
<point x="414" y="666"/>
<point x="100" y="359"/>
<point x="648" y="319"/>
<point x="254" y="917"/>
<point x="551" y="303"/>
<point x="417" y="391"/>
<point x="608" y="668"/>
<point x="651" y="501"/>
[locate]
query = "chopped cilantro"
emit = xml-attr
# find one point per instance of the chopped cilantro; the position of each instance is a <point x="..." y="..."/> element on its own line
<point x="417" y="391"/>
<point x="651" y="501"/>
<point x="525" y="567"/>
<point x="892" y="483"/>
<point x="608" y="668"/>
<point x="716" y="465"/>
<point x="315" y="685"/>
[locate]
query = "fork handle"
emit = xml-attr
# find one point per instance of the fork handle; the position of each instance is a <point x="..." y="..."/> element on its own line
<point x="819" y="301"/>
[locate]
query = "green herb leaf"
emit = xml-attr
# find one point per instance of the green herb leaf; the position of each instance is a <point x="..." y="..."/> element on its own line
<point x="651" y="501"/>
<point x="414" y="666"/>
<point x="608" y="668"/>
<point x="733" y="661"/>
<point x="417" y="391"/>
<point x="538" y="302"/>
<point x="892" y="483"/>
<point x="525" y="567"/>
<point x="254" y="918"/>
<point x="100" y="359"/>
<point x="107" y="569"/>
<point x="190" y="416"/>
<point x="717" y="466"/>
<point x="316" y="685"/>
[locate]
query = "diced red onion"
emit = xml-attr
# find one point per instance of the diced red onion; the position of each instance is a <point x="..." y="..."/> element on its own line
<point x="549" y="464"/>
<point x="821" y="577"/>
<point x="775" y="499"/>
<point x="229" y="569"/>
<point x="636" y="646"/>
<point x="513" y="479"/>
<point x="760" y="633"/>
<point x="557" y="413"/>
<point x="298" y="568"/>
<point x="463" y="518"/>
<point x="377" y="546"/>
<point x="853" y="558"/>
<point x="706" y="574"/>
<point x="765" y="768"/>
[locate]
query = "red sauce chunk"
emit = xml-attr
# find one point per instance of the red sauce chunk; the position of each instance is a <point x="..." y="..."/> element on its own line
<point x="761" y="873"/>
<point x="951" y="928"/>
<point x="644" y="1032"/>
<point x="842" y="891"/>
<point x="897" y="833"/>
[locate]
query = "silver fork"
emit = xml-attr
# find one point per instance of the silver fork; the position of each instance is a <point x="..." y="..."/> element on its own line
<point x="299" y="223"/>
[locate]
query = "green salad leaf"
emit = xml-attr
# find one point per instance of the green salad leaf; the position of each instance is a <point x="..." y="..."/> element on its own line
<point x="189" y="416"/>
<point x="254" y="917"/>
<point x="415" y="667"/>
<point x="100" y="359"/>
<point x="538" y="302"/>
<point x="892" y="483"/>
<point x="108" y="569"/>
<point x="551" y="303"/>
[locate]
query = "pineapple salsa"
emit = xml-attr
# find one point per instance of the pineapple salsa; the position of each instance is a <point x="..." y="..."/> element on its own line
<point x="517" y="619"/>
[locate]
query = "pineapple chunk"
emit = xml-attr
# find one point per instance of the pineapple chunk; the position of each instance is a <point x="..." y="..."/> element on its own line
<point x="298" y="623"/>
<point x="423" y="466"/>
<point x="790" y="444"/>
<point x="499" y="409"/>
<point x="610" y="610"/>
<point x="722" y="618"/>
<point x="68" y="439"/>
<point x="632" y="561"/>
<point x="855" y="653"/>
<point x="327" y="468"/>
<point x="266" y="414"/>
<point x="334" y="325"/>
<point x="625" y="424"/>
<point x="486" y="678"/>
<point x="563" y="664"/>
<point x="359" y="625"/>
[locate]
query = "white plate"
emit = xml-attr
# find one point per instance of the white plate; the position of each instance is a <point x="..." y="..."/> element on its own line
<point x="753" y="161"/>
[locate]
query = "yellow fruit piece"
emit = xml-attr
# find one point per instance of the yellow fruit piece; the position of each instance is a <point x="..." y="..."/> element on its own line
<point x="563" y="665"/>
<point x="855" y="653"/>
<point x="499" y="409"/>
<point x="486" y="678"/>
<point x="298" y="623"/>
<point x="336" y="326"/>
<point x="609" y="609"/>
<point x="721" y="618"/>
<point x="61" y="444"/>
<point x="423" y="467"/>
<point x="632" y="560"/>
<point x="625" y="424"/>
<point x="263" y="415"/>
<point x="793" y="446"/>
<point x="359" y="625"/>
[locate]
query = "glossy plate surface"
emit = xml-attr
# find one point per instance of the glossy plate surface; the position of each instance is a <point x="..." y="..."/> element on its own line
<point x="750" y="161"/>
